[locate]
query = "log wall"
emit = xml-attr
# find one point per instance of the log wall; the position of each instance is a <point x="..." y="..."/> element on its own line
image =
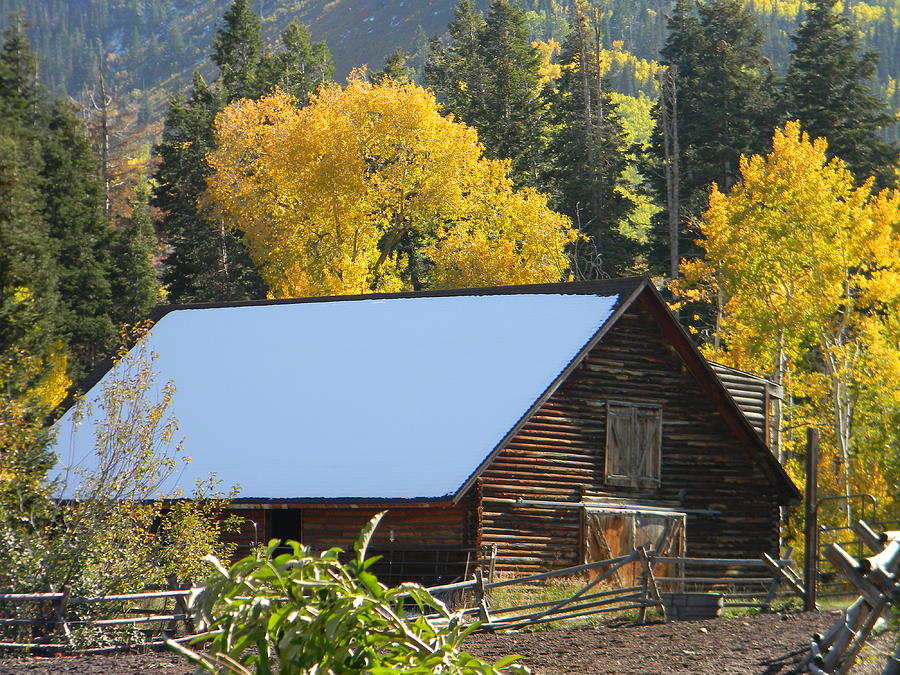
<point x="559" y="455"/>
<point x="327" y="525"/>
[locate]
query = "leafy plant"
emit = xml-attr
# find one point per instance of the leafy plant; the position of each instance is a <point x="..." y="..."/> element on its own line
<point x="122" y="531"/>
<point x="305" y="613"/>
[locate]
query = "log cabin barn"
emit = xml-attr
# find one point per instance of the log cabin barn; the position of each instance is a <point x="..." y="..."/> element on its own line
<point x="554" y="424"/>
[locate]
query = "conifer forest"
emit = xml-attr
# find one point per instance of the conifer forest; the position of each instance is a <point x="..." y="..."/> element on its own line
<point x="744" y="154"/>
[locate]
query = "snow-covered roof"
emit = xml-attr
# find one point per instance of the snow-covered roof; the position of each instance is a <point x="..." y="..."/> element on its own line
<point x="388" y="398"/>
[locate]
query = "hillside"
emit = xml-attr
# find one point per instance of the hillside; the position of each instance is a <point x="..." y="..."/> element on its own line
<point x="151" y="47"/>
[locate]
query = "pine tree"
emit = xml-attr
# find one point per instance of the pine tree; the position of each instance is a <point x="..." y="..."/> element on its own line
<point x="826" y="90"/>
<point x="724" y="107"/>
<point x="394" y="68"/>
<point x="20" y="90"/>
<point x="207" y="262"/>
<point x="513" y="123"/>
<point x="56" y="271"/>
<point x="302" y="65"/>
<point x="489" y="76"/>
<point x="28" y="295"/>
<point x="457" y="72"/>
<point x="588" y="153"/>
<point x="28" y="283"/>
<point x="72" y="204"/>
<point x="135" y="288"/>
<point x="238" y="50"/>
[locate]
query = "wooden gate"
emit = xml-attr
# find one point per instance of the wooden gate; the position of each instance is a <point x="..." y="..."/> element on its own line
<point x="610" y="533"/>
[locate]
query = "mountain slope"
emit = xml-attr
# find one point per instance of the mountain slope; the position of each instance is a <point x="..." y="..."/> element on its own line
<point x="151" y="47"/>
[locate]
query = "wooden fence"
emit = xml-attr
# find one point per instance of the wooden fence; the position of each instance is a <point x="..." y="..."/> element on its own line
<point x="56" y="633"/>
<point x="479" y="597"/>
<point x="876" y="580"/>
<point x="750" y="583"/>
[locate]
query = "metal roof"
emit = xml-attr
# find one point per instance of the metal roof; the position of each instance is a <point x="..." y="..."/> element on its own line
<point x="397" y="397"/>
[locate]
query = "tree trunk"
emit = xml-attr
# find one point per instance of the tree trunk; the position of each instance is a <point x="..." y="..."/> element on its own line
<point x="668" y="107"/>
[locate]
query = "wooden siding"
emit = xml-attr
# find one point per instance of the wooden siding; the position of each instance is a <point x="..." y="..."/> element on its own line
<point x="559" y="456"/>
<point x="252" y="530"/>
<point x="755" y="396"/>
<point x="433" y="527"/>
<point x="325" y="526"/>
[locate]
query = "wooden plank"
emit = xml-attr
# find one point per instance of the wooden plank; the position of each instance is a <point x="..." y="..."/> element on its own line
<point x="778" y="567"/>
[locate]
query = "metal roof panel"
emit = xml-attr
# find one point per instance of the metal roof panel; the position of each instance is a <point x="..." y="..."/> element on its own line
<point x="389" y="398"/>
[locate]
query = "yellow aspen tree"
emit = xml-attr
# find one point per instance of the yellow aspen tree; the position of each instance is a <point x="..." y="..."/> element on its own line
<point x="804" y="266"/>
<point x="370" y="188"/>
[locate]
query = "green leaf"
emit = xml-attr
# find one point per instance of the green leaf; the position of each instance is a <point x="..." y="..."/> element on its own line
<point x="361" y="544"/>
<point x="506" y="660"/>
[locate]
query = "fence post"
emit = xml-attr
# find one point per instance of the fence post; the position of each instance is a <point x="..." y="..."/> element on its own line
<point x="181" y="606"/>
<point x="649" y="586"/>
<point x="645" y="598"/>
<point x="60" y="606"/>
<point x="483" y="612"/>
<point x="810" y="567"/>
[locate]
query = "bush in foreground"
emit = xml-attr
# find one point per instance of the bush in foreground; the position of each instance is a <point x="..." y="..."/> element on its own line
<point x="305" y="613"/>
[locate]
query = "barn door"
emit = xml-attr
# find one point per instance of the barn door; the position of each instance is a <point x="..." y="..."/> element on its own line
<point x="648" y="428"/>
<point x="633" y="441"/>
<point x="610" y="534"/>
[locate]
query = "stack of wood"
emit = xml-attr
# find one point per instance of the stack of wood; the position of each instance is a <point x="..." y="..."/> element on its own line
<point x="877" y="579"/>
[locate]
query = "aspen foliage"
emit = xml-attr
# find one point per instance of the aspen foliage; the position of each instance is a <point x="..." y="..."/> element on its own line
<point x="369" y="188"/>
<point x="804" y="268"/>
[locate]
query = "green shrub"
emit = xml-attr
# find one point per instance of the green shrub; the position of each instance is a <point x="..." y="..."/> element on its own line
<point x="122" y="531"/>
<point x="305" y="613"/>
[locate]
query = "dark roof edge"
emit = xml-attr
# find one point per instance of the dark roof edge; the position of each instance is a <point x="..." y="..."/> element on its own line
<point x="770" y="463"/>
<point x="600" y="287"/>
<point x="638" y="285"/>
<point x="446" y="500"/>
<point x="437" y="502"/>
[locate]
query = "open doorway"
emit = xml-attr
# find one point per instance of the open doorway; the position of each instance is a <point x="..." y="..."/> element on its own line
<point x="285" y="524"/>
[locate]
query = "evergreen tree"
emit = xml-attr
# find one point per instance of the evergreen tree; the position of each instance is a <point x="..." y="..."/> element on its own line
<point x="301" y="67"/>
<point x="135" y="288"/>
<point x="395" y="68"/>
<point x="56" y="272"/>
<point x="724" y="107"/>
<point x="28" y="295"/>
<point x="457" y="72"/>
<point x="513" y="123"/>
<point x="207" y="262"/>
<point x="28" y="282"/>
<point x="238" y="50"/>
<point x="588" y="153"/>
<point x="489" y="76"/>
<point x="826" y="90"/>
<point x="20" y="90"/>
<point x="72" y="201"/>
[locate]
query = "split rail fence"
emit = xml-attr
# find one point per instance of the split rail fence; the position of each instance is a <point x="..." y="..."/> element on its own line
<point x="583" y="591"/>
<point x="57" y="630"/>
<point x="748" y="583"/>
<point x="876" y="580"/>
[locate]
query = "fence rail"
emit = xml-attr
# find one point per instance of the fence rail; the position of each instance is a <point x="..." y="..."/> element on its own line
<point x="53" y="631"/>
<point x="874" y="580"/>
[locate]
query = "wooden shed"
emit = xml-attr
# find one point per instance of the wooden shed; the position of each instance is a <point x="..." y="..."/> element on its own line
<point x="561" y="423"/>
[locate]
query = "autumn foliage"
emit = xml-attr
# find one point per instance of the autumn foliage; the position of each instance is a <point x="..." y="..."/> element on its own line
<point x="803" y="264"/>
<point x="369" y="188"/>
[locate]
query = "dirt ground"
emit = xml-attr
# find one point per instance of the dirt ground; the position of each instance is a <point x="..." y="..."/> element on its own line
<point x="769" y="643"/>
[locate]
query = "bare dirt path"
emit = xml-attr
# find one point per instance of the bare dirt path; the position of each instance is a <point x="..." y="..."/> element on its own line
<point x="769" y="644"/>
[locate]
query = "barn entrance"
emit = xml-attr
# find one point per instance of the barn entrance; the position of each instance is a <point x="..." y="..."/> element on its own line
<point x="285" y="524"/>
<point x="610" y="533"/>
